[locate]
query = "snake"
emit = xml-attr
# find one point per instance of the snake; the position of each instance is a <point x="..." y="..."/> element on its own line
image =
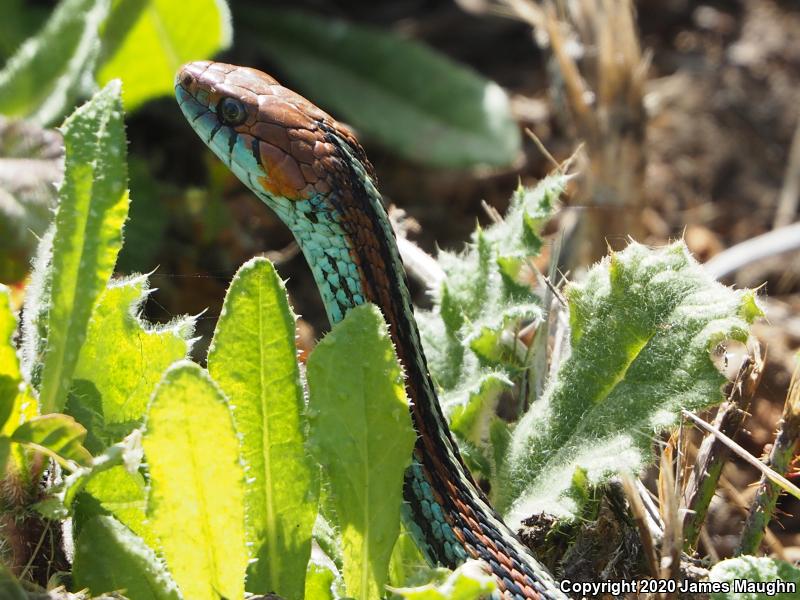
<point x="313" y="173"/>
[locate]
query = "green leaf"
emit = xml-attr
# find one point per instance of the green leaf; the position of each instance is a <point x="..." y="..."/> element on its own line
<point x="59" y="436"/>
<point x="109" y="557"/>
<point x="362" y="435"/>
<point x="146" y="41"/>
<point x="123" y="357"/>
<point x="196" y="501"/>
<point x="470" y="336"/>
<point x="93" y="206"/>
<point x="319" y="582"/>
<point x="755" y="578"/>
<point x="468" y="582"/>
<point x="51" y="70"/>
<point x="253" y="359"/>
<point x="399" y="92"/>
<point x="642" y="326"/>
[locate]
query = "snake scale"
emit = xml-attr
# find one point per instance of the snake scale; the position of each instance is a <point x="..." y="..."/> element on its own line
<point x="314" y="174"/>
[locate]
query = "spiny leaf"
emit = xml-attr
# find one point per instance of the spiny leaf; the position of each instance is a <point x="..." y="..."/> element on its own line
<point x="362" y="435"/>
<point x="93" y="206"/>
<point x="399" y="92"/>
<point x="196" y="501"/>
<point x="643" y="324"/>
<point x="51" y="70"/>
<point x="108" y="558"/>
<point x="253" y="359"/>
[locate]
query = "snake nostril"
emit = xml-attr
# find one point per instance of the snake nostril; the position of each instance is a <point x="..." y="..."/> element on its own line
<point x="186" y="79"/>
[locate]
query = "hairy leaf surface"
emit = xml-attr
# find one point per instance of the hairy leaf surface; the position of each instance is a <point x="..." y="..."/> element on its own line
<point x="253" y="359"/>
<point x="93" y="206"/>
<point x="196" y="501"/>
<point x="362" y="435"/>
<point x="643" y="324"/>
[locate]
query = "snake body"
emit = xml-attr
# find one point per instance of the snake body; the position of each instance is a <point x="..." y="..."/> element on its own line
<point x="314" y="174"/>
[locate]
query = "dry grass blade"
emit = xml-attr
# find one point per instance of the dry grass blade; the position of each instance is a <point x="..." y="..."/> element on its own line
<point x="777" y="478"/>
<point x="640" y="518"/>
<point x="669" y="501"/>
<point x="783" y="452"/>
<point x="713" y="453"/>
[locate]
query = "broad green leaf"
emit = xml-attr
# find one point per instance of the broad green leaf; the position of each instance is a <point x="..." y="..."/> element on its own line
<point x="399" y="92"/>
<point x="146" y="41"/>
<point x="362" y="435"/>
<point x="31" y="161"/>
<point x="470" y="336"/>
<point x="253" y="359"/>
<point x="319" y="582"/>
<point x="51" y="70"/>
<point x="119" y="493"/>
<point x="196" y="500"/>
<point x="643" y="324"/>
<point x="468" y="582"/>
<point x="93" y="206"/>
<point x="755" y="578"/>
<point x="59" y="436"/>
<point x="123" y="357"/>
<point x="109" y="558"/>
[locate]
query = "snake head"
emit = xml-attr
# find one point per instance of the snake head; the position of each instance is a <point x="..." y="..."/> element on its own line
<point x="277" y="142"/>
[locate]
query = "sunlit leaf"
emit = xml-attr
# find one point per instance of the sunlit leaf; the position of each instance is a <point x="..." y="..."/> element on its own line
<point x="57" y="435"/>
<point x="363" y="437"/>
<point x="93" y="206"/>
<point x="196" y="501"/>
<point x="146" y="41"/>
<point x="253" y="358"/>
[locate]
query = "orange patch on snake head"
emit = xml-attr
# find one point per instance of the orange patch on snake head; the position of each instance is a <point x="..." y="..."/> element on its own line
<point x="282" y="177"/>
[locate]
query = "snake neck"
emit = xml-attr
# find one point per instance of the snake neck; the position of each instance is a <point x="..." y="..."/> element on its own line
<point x="349" y="243"/>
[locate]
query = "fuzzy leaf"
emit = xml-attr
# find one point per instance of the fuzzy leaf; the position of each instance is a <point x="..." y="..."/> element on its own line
<point x="122" y="360"/>
<point x="109" y="557"/>
<point x="742" y="574"/>
<point x="468" y="582"/>
<point x="642" y="326"/>
<point x="146" y="41"/>
<point x="362" y="435"/>
<point x="93" y="206"/>
<point x="470" y="335"/>
<point x="196" y="501"/>
<point x="58" y="435"/>
<point x="253" y="359"/>
<point x="51" y="70"/>
<point x="399" y="92"/>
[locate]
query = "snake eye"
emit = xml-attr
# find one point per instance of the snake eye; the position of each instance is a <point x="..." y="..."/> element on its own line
<point x="231" y="111"/>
